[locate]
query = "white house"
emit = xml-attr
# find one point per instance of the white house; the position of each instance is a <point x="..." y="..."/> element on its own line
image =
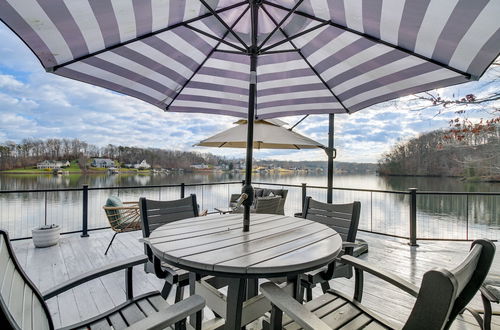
<point x="199" y="166"/>
<point x="51" y="164"/>
<point x="102" y="162"/>
<point x="142" y="165"/>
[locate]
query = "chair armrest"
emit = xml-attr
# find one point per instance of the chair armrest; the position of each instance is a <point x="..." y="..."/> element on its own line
<point x="170" y="315"/>
<point x="380" y="273"/>
<point x="96" y="273"/>
<point x="118" y="208"/>
<point x="130" y="203"/>
<point x="279" y="298"/>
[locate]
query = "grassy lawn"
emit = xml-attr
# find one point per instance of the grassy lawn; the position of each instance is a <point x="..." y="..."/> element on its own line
<point x="29" y="169"/>
<point x="74" y="168"/>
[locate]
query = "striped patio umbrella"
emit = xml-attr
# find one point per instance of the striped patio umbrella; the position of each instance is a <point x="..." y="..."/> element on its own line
<point x="261" y="58"/>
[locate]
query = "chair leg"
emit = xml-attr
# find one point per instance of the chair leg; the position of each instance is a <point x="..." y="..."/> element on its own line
<point x="309" y="294"/>
<point x="300" y="298"/>
<point x="325" y="286"/>
<point x="179" y="293"/>
<point x="111" y="242"/>
<point x="487" y="313"/>
<point x="165" y="291"/>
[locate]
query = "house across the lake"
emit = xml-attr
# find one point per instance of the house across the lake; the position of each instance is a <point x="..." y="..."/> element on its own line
<point x="102" y="162"/>
<point x="200" y="166"/>
<point x="51" y="164"/>
<point x="142" y="165"/>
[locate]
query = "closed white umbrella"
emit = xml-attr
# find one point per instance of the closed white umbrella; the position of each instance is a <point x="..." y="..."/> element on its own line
<point x="268" y="134"/>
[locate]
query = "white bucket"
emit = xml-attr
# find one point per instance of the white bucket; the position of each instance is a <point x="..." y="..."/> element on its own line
<point x="46" y="235"/>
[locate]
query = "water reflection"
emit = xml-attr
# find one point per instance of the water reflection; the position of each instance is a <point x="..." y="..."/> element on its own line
<point x="444" y="216"/>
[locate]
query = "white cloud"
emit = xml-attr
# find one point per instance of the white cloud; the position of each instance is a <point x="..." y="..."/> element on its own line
<point x="9" y="82"/>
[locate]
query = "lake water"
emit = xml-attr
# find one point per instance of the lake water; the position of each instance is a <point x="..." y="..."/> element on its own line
<point x="367" y="181"/>
<point x="439" y="216"/>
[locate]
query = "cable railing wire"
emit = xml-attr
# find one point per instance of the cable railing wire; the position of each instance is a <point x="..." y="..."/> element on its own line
<point x="439" y="215"/>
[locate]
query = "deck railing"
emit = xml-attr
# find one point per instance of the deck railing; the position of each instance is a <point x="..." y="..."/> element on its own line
<point x="411" y="214"/>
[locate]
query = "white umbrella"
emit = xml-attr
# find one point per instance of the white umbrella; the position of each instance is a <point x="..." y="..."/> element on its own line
<point x="268" y="134"/>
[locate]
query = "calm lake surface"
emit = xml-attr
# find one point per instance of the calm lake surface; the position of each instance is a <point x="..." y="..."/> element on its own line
<point x="364" y="181"/>
<point x="438" y="216"/>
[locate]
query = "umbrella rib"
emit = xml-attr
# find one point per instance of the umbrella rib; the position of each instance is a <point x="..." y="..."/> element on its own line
<point x="281" y="23"/>
<point x="279" y="51"/>
<point x="231" y="52"/>
<point x="376" y="40"/>
<point x="308" y="63"/>
<point x="287" y="39"/>
<point x="230" y="29"/>
<point x="215" y="38"/>
<point x="301" y="120"/>
<point x="144" y="36"/>
<point x="206" y="59"/>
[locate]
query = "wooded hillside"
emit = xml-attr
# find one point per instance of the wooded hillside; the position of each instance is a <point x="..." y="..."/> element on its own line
<point x="31" y="151"/>
<point x="436" y="154"/>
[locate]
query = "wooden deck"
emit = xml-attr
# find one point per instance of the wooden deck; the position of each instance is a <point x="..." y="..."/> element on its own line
<point x="75" y="255"/>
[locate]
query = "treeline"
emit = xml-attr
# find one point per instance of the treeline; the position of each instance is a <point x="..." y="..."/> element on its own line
<point x="340" y="167"/>
<point x="32" y="151"/>
<point x="437" y="154"/>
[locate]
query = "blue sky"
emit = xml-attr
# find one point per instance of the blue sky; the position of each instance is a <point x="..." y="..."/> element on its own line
<point x="37" y="104"/>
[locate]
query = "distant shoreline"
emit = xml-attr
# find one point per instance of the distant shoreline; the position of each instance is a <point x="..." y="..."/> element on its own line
<point x="493" y="179"/>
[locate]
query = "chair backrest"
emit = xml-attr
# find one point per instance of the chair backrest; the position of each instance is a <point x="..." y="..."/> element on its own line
<point x="157" y="213"/>
<point x="22" y="305"/>
<point x="444" y="294"/>
<point x="343" y="218"/>
<point x="267" y="205"/>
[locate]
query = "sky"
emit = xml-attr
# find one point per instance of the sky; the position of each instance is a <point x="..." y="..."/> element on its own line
<point x="36" y="104"/>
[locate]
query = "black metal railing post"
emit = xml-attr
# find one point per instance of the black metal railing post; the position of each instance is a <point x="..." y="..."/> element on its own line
<point x="45" y="209"/>
<point x="183" y="190"/>
<point x="467" y="217"/>
<point x="371" y="210"/>
<point x="304" y="194"/>
<point x="413" y="217"/>
<point x="85" y="211"/>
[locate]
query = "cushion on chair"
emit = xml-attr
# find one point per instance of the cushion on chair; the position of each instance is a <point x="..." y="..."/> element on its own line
<point x="113" y="201"/>
<point x="258" y="192"/>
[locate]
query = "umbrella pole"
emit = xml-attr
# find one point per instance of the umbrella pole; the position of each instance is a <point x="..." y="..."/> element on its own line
<point x="247" y="188"/>
<point x="330" y="153"/>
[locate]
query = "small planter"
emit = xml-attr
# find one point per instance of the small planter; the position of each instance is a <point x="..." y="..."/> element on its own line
<point x="45" y="236"/>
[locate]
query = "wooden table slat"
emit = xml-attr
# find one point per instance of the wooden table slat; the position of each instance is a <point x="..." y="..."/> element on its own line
<point x="292" y="238"/>
<point x="202" y="229"/>
<point x="228" y="238"/>
<point x="295" y="261"/>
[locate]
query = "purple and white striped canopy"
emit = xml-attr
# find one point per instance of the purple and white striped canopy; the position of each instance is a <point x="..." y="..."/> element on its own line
<point x="315" y="56"/>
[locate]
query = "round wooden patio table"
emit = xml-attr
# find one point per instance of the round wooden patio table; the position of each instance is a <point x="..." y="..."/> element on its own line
<point x="275" y="246"/>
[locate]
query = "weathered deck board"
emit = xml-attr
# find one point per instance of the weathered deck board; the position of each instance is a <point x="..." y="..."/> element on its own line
<point x="75" y="255"/>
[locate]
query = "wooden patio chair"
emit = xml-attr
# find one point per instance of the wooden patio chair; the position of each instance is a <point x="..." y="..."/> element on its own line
<point x="23" y="306"/>
<point x="268" y="205"/>
<point x="344" y="219"/>
<point x="122" y="216"/>
<point x="490" y="293"/>
<point x="155" y="214"/>
<point x="442" y="295"/>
